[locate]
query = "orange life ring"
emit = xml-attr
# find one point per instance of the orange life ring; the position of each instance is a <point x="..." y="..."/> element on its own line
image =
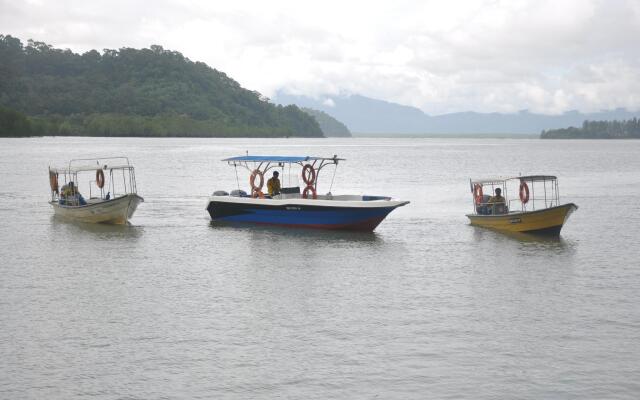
<point x="99" y="178"/>
<point x="308" y="174"/>
<point x="252" y="180"/>
<point x="524" y="192"/>
<point x="53" y="181"/>
<point x="477" y="193"/>
<point x="305" y="192"/>
<point x="257" y="193"/>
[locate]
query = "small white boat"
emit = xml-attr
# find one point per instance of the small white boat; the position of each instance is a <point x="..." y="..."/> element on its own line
<point x="112" y="197"/>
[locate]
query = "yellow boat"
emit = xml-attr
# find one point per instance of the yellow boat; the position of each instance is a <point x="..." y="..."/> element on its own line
<point x="536" y="209"/>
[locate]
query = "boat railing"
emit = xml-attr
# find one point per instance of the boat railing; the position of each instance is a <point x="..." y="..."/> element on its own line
<point x="118" y="171"/>
<point x="486" y="208"/>
<point x="534" y="203"/>
<point x="72" y="200"/>
<point x="100" y="161"/>
<point x="522" y="194"/>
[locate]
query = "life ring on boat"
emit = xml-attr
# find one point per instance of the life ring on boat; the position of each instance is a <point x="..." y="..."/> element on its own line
<point x="477" y="193"/>
<point x="99" y="178"/>
<point x="308" y="174"/>
<point x="305" y="192"/>
<point x="257" y="193"/>
<point x="53" y="181"/>
<point x="252" y="180"/>
<point x="524" y="192"/>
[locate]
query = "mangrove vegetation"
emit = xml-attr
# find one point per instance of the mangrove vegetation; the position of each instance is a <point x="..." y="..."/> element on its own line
<point x="628" y="129"/>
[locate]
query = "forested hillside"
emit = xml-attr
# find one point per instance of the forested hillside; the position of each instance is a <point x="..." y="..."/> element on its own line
<point x="131" y="92"/>
<point x="329" y="125"/>
<point x="629" y="129"/>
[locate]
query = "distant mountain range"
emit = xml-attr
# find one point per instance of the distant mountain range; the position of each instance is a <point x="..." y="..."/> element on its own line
<point x="366" y="115"/>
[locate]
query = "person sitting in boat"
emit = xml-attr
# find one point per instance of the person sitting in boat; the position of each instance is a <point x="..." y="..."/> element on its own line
<point x="498" y="203"/>
<point x="71" y="195"/>
<point x="273" y="184"/>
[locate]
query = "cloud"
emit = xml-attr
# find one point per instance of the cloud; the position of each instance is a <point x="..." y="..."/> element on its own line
<point x="329" y="102"/>
<point x="489" y="55"/>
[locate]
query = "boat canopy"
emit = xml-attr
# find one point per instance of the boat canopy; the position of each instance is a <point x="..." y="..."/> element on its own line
<point x="500" y="181"/>
<point x="91" y="164"/>
<point x="82" y="168"/>
<point x="535" y="178"/>
<point x="489" y="181"/>
<point x="534" y="192"/>
<point x="280" y="159"/>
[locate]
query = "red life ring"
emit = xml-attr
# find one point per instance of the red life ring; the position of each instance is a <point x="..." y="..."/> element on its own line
<point x="524" y="192"/>
<point x="305" y="192"/>
<point x="99" y="178"/>
<point x="477" y="193"/>
<point x="308" y="174"/>
<point x="257" y="193"/>
<point x="53" y="181"/>
<point x="252" y="180"/>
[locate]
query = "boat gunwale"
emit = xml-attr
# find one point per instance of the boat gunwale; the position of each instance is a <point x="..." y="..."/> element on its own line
<point x="128" y="195"/>
<point x="518" y="213"/>
<point x="310" y="202"/>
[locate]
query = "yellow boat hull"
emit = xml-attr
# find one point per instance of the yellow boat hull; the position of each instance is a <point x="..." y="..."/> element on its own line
<point x="548" y="221"/>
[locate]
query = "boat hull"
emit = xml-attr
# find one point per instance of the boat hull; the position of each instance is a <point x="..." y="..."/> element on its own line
<point x="302" y="213"/>
<point x="548" y="221"/>
<point x="115" y="211"/>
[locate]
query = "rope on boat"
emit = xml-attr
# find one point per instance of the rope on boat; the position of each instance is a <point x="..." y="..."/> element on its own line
<point x="333" y="177"/>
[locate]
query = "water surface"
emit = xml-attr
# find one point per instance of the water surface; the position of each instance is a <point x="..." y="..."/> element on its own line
<point x="426" y="307"/>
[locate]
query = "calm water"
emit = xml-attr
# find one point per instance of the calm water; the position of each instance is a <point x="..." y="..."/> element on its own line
<point x="426" y="307"/>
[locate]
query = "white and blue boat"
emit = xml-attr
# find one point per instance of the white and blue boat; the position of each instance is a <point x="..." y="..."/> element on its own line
<point x="293" y="207"/>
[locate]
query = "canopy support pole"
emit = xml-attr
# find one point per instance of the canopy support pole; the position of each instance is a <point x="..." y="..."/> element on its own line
<point x="237" y="180"/>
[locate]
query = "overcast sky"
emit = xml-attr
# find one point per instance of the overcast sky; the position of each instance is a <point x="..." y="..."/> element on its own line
<point x="440" y="56"/>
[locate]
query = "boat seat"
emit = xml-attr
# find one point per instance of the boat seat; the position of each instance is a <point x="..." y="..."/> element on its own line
<point x="290" y="190"/>
<point x="289" y="193"/>
<point x="499" y="209"/>
<point x="483" y="208"/>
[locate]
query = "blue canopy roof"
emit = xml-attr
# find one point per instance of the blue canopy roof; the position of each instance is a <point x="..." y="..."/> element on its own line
<point x="283" y="159"/>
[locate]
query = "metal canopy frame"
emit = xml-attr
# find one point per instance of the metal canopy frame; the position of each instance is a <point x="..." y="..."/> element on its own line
<point x="285" y="159"/>
<point x="78" y="165"/>
<point x="266" y="163"/>
<point x="550" y="196"/>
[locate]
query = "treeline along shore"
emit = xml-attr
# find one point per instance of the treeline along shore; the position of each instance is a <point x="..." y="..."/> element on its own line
<point x="629" y="129"/>
<point x="131" y="92"/>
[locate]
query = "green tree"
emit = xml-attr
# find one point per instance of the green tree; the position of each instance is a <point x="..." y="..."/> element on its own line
<point x="142" y="92"/>
<point x="13" y="123"/>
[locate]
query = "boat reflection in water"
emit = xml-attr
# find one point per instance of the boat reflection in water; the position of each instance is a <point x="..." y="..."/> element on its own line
<point x="536" y="209"/>
<point x="291" y="207"/>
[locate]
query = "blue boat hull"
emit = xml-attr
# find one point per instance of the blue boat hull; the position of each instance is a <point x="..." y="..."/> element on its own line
<point x="303" y="216"/>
